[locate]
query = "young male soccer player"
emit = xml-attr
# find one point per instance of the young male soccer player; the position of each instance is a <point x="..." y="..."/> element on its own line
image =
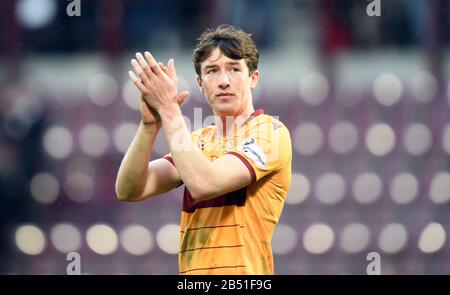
<point x="236" y="172"/>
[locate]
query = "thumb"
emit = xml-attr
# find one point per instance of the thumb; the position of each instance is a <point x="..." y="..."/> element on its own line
<point x="182" y="96"/>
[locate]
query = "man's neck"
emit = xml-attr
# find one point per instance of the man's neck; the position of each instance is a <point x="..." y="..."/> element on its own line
<point x="227" y="124"/>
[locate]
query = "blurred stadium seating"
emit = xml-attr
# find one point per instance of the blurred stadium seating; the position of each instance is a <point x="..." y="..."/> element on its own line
<point x="366" y="100"/>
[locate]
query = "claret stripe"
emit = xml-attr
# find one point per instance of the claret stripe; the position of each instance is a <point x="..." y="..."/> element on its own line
<point x="195" y="269"/>
<point x="206" y="248"/>
<point x="237" y="198"/>
<point x="196" y="228"/>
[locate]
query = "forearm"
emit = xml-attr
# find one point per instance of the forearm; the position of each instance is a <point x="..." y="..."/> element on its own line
<point x="133" y="170"/>
<point x="194" y="168"/>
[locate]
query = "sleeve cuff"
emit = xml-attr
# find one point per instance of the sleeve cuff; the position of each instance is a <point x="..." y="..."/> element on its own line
<point x="169" y="158"/>
<point x="247" y="164"/>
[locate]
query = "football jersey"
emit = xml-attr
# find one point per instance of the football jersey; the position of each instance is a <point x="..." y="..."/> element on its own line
<point x="231" y="234"/>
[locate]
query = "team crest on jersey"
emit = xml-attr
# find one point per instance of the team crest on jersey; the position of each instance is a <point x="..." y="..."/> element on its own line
<point x="201" y="145"/>
<point x="254" y="152"/>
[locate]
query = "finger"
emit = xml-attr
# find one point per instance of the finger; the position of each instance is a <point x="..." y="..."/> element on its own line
<point x="137" y="68"/>
<point x="182" y="97"/>
<point x="142" y="74"/>
<point x="140" y="58"/>
<point x="162" y="67"/>
<point x="153" y="64"/>
<point x="144" y="65"/>
<point x="171" y="69"/>
<point x="136" y="81"/>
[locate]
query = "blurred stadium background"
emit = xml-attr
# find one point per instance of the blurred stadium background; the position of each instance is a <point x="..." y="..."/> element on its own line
<point x="366" y="100"/>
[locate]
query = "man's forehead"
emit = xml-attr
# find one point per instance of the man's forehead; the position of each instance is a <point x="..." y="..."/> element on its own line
<point x="218" y="57"/>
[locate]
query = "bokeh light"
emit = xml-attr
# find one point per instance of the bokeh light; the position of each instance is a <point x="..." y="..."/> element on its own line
<point x="94" y="140"/>
<point x="314" y="88"/>
<point x="136" y="240"/>
<point x="44" y="188"/>
<point x="35" y="14"/>
<point x="318" y="238"/>
<point x="58" y="142"/>
<point x="30" y="239"/>
<point x="330" y="188"/>
<point x="102" y="239"/>
<point x="284" y="239"/>
<point x="308" y="139"/>
<point x="79" y="186"/>
<point x="102" y="89"/>
<point x="432" y="238"/>
<point x="167" y="238"/>
<point x="417" y="139"/>
<point x="393" y="238"/>
<point x="387" y="89"/>
<point x="404" y="188"/>
<point x="367" y="188"/>
<point x="424" y="86"/>
<point x="343" y="137"/>
<point x="380" y="139"/>
<point x="65" y="237"/>
<point x="299" y="190"/>
<point x="440" y="188"/>
<point x="355" y="238"/>
<point x="446" y="139"/>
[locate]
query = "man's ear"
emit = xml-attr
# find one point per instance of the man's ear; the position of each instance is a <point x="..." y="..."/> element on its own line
<point x="255" y="77"/>
<point x="200" y="83"/>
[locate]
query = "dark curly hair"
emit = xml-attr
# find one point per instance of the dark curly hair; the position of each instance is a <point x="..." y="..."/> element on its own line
<point x="232" y="42"/>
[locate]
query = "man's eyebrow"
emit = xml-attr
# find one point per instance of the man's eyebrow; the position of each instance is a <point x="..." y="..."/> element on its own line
<point x="231" y="63"/>
<point x="211" y="66"/>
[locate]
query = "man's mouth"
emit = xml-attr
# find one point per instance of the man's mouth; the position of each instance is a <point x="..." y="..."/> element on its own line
<point x="224" y="95"/>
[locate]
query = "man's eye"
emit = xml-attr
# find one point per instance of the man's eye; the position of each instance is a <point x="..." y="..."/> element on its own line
<point x="211" y="71"/>
<point x="236" y="69"/>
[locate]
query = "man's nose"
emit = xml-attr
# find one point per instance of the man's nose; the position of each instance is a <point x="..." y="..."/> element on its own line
<point x="224" y="81"/>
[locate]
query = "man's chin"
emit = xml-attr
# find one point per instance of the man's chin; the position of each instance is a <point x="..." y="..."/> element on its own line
<point x="226" y="109"/>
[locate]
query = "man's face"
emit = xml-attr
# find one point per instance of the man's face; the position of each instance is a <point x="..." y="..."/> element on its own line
<point x="226" y="83"/>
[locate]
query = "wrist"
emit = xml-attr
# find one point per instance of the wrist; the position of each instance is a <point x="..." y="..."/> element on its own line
<point x="169" y="111"/>
<point x="151" y="127"/>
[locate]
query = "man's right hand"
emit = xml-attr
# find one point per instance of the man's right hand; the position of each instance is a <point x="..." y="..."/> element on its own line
<point x="148" y="114"/>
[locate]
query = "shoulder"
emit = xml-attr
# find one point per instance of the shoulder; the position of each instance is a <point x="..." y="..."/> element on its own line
<point x="203" y="132"/>
<point x="267" y="123"/>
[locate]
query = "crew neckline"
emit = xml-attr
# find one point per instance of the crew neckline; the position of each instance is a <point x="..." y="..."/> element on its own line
<point x="251" y="117"/>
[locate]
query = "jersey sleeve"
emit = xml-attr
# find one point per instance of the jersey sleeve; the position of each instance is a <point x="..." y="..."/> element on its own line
<point x="265" y="148"/>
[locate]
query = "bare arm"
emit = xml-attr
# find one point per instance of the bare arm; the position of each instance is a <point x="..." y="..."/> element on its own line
<point x="138" y="179"/>
<point x="203" y="178"/>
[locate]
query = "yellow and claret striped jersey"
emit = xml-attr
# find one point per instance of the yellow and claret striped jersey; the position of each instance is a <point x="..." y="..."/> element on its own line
<point x="231" y="234"/>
